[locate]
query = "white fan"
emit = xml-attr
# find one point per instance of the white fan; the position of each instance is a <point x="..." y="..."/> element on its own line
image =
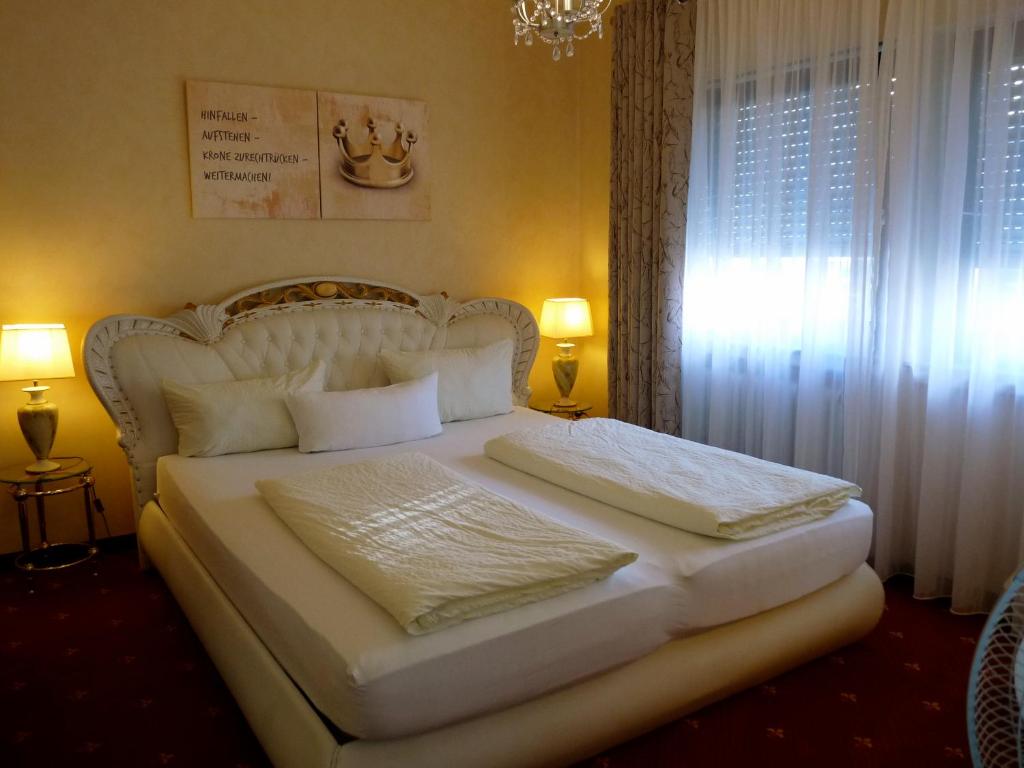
<point x="996" y="686"/>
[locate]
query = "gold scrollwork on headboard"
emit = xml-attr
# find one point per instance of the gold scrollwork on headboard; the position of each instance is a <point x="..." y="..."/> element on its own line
<point x="322" y="290"/>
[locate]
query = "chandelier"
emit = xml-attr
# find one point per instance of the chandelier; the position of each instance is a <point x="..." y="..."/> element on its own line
<point x="558" y="22"/>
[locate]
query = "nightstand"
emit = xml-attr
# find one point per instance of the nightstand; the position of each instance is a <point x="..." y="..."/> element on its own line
<point x="74" y="474"/>
<point x="571" y="412"/>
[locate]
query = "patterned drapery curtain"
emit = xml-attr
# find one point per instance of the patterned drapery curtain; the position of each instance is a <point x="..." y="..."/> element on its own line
<point x="652" y="108"/>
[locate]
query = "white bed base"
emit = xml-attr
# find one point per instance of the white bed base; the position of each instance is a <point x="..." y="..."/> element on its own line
<point x="556" y="729"/>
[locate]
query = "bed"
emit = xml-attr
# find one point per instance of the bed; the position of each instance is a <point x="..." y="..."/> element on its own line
<point x="325" y="678"/>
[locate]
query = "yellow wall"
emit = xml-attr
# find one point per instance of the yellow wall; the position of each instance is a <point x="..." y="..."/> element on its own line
<point x="595" y="173"/>
<point x="94" y="195"/>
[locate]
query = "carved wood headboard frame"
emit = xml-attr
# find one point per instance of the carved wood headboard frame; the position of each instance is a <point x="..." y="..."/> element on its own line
<point x="207" y="323"/>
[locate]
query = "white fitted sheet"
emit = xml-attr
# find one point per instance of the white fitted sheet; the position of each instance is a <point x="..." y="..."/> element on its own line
<point x="364" y="673"/>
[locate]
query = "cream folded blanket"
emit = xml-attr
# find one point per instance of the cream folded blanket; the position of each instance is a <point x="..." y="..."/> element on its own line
<point x="674" y="481"/>
<point x="429" y="546"/>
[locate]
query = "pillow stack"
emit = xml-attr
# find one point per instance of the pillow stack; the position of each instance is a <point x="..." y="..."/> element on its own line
<point x="427" y="388"/>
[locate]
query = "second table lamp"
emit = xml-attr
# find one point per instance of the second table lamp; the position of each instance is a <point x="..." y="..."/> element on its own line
<point x="566" y="319"/>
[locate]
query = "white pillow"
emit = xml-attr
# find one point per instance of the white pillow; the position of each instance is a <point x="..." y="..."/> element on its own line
<point x="363" y="418"/>
<point x="471" y="383"/>
<point x="238" y="416"/>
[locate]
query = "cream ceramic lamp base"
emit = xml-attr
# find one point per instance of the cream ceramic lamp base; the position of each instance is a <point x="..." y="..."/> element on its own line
<point x="38" y="421"/>
<point x="565" y="367"/>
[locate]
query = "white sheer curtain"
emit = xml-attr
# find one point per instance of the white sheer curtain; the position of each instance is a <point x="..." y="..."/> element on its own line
<point x="854" y="285"/>
<point x="781" y="190"/>
<point x="936" y="414"/>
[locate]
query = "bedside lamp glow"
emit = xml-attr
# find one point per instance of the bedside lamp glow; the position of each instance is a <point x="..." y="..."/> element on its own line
<point x="34" y="352"/>
<point x="566" y="319"/>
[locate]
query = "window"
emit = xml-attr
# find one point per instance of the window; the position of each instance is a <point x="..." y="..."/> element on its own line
<point x="778" y="216"/>
<point x="992" y="235"/>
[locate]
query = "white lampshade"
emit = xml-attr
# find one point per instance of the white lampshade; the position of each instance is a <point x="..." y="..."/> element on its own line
<point x="566" y="318"/>
<point x="35" y="352"/>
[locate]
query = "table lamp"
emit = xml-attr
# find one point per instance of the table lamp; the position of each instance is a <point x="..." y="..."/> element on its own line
<point x="565" y="319"/>
<point x="34" y="352"/>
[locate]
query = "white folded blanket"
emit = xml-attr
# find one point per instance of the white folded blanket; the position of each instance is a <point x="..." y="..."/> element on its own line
<point x="674" y="481"/>
<point x="429" y="546"/>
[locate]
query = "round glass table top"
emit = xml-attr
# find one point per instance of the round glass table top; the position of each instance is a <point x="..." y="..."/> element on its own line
<point x="549" y="406"/>
<point x="70" y="466"/>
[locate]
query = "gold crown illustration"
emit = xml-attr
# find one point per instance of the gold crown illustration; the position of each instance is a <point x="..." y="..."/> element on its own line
<point x="368" y="162"/>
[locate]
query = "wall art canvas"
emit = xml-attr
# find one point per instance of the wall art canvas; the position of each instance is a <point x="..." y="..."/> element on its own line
<point x="374" y="157"/>
<point x="253" y="151"/>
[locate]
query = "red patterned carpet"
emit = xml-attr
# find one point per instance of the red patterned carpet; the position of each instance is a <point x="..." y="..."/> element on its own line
<point x="103" y="670"/>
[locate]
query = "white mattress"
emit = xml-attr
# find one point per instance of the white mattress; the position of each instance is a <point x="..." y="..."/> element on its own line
<point x="369" y="677"/>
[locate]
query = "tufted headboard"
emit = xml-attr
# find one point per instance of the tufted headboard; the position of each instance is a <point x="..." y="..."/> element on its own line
<point x="275" y="328"/>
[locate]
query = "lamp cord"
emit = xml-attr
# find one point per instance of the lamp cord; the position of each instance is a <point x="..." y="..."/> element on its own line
<point x="97" y="506"/>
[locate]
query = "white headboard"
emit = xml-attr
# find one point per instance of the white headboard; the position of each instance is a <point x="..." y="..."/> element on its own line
<point x="275" y="328"/>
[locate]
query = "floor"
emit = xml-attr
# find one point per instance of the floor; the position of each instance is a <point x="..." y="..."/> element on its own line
<point x="98" y="667"/>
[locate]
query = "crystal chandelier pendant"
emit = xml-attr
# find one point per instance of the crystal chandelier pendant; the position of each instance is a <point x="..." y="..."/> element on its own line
<point x="558" y="22"/>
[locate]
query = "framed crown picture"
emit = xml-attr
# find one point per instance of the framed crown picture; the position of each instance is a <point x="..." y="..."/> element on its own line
<point x="374" y="157"/>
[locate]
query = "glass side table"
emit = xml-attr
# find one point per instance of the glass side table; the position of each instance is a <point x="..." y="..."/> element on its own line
<point x="571" y="412"/>
<point x="74" y="474"/>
